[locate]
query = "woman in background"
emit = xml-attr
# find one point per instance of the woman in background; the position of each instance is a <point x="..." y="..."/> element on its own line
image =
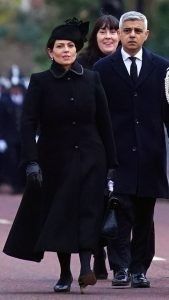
<point x="103" y="41"/>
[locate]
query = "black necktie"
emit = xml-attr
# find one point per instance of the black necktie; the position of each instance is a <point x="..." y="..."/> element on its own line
<point x="133" y="69"/>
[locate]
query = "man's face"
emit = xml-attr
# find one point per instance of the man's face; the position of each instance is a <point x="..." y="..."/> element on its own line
<point x="133" y="35"/>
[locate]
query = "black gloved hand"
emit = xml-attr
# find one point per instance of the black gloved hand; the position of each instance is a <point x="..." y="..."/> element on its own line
<point x="34" y="173"/>
<point x="110" y="174"/>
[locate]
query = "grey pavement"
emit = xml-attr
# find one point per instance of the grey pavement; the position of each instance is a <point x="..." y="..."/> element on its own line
<point x="27" y="280"/>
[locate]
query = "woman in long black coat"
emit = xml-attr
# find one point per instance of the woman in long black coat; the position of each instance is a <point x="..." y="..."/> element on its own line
<point x="63" y="202"/>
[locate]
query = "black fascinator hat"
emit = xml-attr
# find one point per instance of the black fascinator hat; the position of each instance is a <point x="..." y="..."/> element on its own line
<point x="73" y="30"/>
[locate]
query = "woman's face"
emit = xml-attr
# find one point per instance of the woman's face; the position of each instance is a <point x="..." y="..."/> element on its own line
<point x="63" y="52"/>
<point x="107" y="40"/>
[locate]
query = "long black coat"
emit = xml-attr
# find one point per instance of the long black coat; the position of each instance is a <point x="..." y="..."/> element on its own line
<point x="138" y="116"/>
<point x="74" y="150"/>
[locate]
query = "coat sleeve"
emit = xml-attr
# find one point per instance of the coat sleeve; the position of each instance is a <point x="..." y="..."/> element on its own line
<point x="30" y="121"/>
<point x="104" y="123"/>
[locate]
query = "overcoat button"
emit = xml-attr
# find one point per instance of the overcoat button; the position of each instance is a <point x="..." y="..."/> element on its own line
<point x="72" y="99"/>
<point x="74" y="122"/>
<point x="134" y="149"/>
<point x="76" y="147"/>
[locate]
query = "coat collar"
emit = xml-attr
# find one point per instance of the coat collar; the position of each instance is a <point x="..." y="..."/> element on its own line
<point x="146" y="69"/>
<point x="58" y="71"/>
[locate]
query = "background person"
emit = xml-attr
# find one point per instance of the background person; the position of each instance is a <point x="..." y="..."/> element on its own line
<point x="133" y="79"/>
<point x="11" y="106"/>
<point x="62" y="206"/>
<point x="103" y="40"/>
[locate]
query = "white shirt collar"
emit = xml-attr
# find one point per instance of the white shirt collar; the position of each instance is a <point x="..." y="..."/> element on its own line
<point x="125" y="55"/>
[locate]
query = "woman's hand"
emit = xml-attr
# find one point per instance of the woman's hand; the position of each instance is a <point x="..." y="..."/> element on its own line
<point x="34" y="173"/>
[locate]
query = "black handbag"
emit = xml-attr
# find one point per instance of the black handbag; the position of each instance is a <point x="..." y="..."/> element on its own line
<point x="110" y="226"/>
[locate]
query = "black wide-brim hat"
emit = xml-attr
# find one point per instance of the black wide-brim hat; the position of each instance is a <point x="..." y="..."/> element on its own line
<point x="73" y="30"/>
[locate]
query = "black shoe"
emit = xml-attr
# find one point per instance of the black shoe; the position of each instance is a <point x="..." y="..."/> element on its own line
<point x="99" y="266"/>
<point x="139" y="280"/>
<point x="63" y="285"/>
<point x="121" y="278"/>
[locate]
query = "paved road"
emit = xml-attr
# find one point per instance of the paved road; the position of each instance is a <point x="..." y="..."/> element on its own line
<point x="34" y="281"/>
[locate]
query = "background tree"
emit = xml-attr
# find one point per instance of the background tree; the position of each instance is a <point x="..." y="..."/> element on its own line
<point x="160" y="29"/>
<point x="113" y="7"/>
<point x="24" y="32"/>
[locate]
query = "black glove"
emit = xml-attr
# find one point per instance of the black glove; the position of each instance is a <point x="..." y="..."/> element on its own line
<point x="110" y="174"/>
<point x="34" y="173"/>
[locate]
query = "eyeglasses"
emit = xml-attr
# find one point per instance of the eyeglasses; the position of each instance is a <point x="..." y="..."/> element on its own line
<point x="130" y="30"/>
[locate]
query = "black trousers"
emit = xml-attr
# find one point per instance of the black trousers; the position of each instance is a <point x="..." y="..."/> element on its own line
<point x="135" y="246"/>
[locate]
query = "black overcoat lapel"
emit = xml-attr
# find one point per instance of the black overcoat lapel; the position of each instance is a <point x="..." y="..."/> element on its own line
<point x="147" y="67"/>
<point x="119" y="67"/>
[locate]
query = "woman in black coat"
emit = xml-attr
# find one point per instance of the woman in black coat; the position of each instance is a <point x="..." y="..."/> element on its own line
<point x="63" y="202"/>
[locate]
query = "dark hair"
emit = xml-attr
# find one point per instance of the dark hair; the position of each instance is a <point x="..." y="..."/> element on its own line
<point x="50" y="43"/>
<point x="104" y="21"/>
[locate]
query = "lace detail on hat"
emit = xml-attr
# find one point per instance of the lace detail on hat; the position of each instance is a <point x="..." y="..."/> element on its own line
<point x="73" y="21"/>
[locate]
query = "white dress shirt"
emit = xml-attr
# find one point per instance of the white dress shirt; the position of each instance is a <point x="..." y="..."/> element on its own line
<point x="127" y="60"/>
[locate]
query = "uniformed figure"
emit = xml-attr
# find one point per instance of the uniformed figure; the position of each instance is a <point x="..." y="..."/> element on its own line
<point x="133" y="79"/>
<point x="63" y="202"/>
<point x="10" y="118"/>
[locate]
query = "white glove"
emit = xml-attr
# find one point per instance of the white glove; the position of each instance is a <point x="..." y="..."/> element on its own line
<point x="3" y="146"/>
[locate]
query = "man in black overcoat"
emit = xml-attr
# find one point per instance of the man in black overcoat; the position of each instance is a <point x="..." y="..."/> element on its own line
<point x="133" y="79"/>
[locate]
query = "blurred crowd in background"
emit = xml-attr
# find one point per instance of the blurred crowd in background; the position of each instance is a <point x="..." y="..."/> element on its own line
<point x="12" y="92"/>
